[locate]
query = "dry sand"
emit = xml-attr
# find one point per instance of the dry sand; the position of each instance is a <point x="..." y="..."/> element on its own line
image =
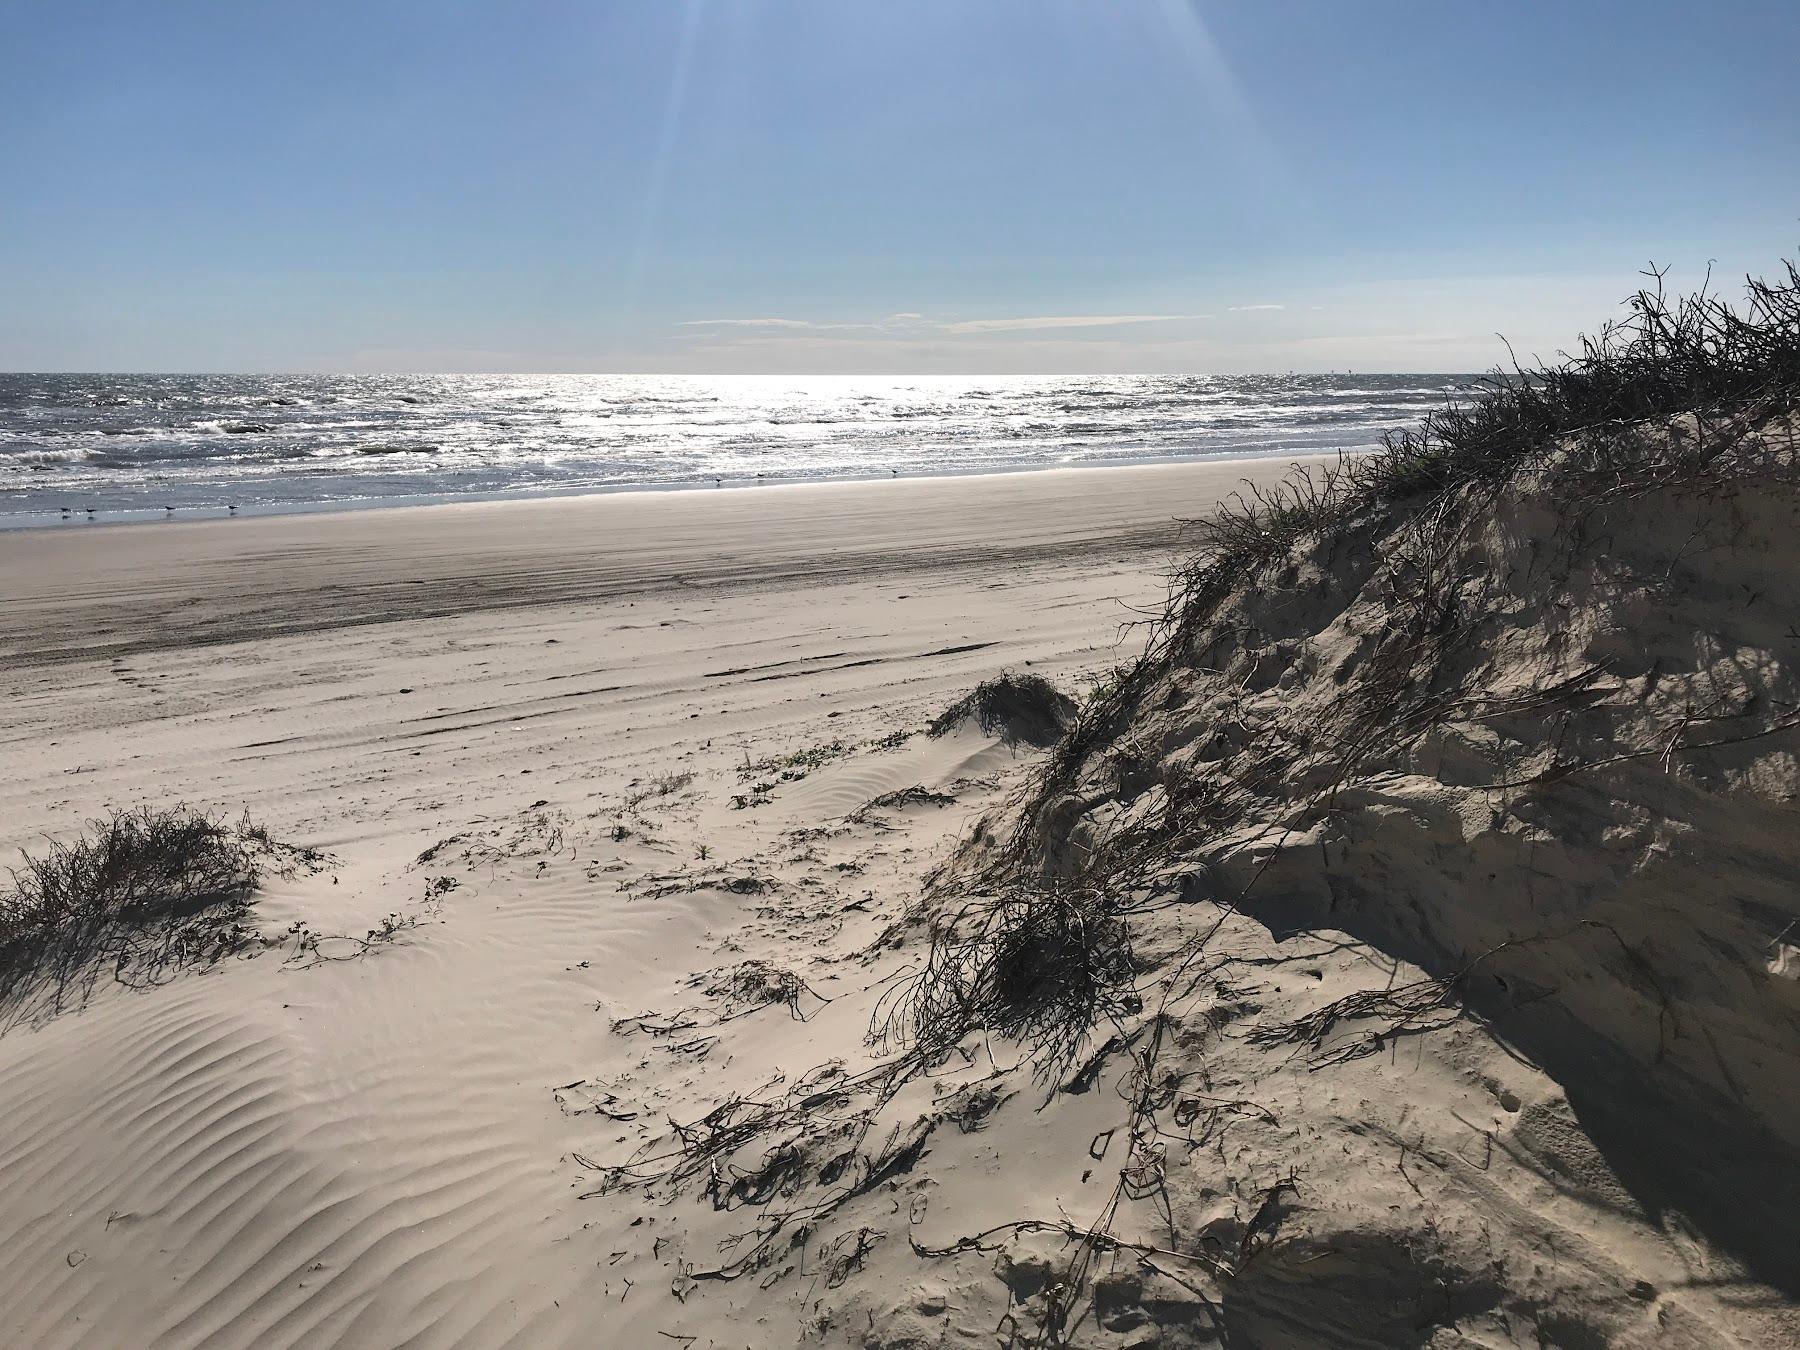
<point x="463" y="706"/>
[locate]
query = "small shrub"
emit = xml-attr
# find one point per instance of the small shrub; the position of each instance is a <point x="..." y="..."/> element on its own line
<point x="146" y="891"/>
<point x="1017" y="707"/>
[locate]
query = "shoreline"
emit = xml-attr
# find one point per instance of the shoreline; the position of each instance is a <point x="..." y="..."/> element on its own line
<point x="26" y="521"/>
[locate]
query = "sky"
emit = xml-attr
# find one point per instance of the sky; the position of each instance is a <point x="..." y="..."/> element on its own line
<point x="873" y="186"/>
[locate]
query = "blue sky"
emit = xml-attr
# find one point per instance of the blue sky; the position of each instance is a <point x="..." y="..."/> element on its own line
<point x="872" y="185"/>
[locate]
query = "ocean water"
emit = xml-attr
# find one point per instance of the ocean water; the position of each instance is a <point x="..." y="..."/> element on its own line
<point x="134" y="446"/>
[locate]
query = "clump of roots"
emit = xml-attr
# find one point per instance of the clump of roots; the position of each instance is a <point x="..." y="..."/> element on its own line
<point x="1040" y="967"/>
<point x="1016" y="707"/>
<point x="758" y="984"/>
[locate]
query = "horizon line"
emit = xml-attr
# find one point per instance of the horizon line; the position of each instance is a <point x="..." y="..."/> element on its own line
<point x="748" y="374"/>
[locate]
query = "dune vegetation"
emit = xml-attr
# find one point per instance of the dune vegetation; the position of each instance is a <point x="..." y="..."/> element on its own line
<point x="145" y="892"/>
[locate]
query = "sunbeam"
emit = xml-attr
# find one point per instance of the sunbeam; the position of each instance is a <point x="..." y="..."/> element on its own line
<point x="673" y="107"/>
<point x="1232" y="114"/>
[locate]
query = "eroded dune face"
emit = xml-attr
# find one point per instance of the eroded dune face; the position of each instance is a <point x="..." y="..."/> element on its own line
<point x="1540" y="739"/>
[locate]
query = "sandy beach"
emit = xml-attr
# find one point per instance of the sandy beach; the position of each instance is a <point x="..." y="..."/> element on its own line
<point x="295" y="665"/>
<point x="948" y="676"/>
<point x="617" y="840"/>
<point x="529" y="731"/>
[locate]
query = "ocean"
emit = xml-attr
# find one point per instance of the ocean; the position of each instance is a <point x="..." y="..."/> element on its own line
<point x="156" y="447"/>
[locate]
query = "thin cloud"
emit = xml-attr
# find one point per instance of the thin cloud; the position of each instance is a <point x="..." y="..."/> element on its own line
<point x="1062" y="321"/>
<point x="746" y="323"/>
<point x="1246" y="309"/>
<point x="1406" y="339"/>
<point x="914" y="324"/>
